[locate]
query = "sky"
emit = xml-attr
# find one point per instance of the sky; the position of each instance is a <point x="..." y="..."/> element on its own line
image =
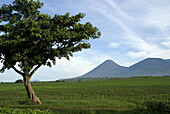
<point x="132" y="30"/>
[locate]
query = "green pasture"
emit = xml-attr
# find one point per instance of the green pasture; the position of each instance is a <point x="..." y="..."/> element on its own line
<point x="116" y="94"/>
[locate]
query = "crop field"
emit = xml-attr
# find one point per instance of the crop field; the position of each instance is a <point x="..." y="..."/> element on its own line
<point x="114" y="95"/>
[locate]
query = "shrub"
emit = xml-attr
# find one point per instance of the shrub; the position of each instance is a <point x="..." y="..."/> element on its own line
<point x="156" y="106"/>
<point x="18" y="81"/>
<point x="60" y="80"/>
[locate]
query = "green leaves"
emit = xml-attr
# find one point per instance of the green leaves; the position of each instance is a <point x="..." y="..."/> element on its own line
<point x="27" y="7"/>
<point x="33" y="38"/>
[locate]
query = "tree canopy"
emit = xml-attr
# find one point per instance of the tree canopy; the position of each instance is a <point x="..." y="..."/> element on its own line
<point x="31" y="39"/>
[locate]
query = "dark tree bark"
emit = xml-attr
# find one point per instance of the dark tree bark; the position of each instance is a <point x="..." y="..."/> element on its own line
<point x="30" y="92"/>
<point x="26" y="77"/>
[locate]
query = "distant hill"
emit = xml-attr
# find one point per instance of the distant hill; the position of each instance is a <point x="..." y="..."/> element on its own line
<point x="147" y="67"/>
<point x="151" y="67"/>
<point x="35" y="80"/>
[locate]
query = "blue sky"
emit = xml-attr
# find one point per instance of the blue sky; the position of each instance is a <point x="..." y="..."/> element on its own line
<point x="132" y="30"/>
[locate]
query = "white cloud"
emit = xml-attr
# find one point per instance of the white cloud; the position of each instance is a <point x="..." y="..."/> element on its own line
<point x="64" y="69"/>
<point x="166" y="44"/>
<point x="118" y="10"/>
<point x="9" y="75"/>
<point x="113" y="45"/>
<point x="137" y="54"/>
<point x="81" y="63"/>
<point x="158" y="17"/>
<point x="154" y="54"/>
<point x="77" y="66"/>
<point x="154" y="17"/>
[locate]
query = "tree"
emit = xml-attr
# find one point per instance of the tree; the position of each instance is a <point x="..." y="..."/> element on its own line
<point x="18" y="81"/>
<point x="31" y="39"/>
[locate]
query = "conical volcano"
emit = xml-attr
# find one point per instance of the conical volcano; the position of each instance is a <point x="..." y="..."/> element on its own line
<point x="107" y="69"/>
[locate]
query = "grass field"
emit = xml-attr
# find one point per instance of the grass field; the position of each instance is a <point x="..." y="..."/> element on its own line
<point x="114" y="94"/>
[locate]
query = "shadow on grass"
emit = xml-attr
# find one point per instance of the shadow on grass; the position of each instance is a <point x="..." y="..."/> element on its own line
<point x="150" y="107"/>
<point x="134" y="111"/>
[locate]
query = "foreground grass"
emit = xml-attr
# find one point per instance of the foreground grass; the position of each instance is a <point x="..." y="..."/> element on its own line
<point x="29" y="111"/>
<point x="123" y="94"/>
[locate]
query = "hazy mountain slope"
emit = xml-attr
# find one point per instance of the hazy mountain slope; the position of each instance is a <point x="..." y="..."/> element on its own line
<point x="151" y="67"/>
<point x="147" y="67"/>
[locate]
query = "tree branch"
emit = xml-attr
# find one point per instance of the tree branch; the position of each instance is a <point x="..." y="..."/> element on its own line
<point x="36" y="42"/>
<point x="27" y="17"/>
<point x="16" y="70"/>
<point x="35" y="69"/>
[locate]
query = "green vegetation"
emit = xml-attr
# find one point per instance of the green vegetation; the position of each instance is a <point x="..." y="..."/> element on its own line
<point x="18" y="81"/>
<point x="22" y="111"/>
<point x="31" y="39"/>
<point x="130" y="94"/>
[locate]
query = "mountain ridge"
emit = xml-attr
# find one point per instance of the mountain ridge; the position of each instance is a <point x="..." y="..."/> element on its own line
<point x="146" y="67"/>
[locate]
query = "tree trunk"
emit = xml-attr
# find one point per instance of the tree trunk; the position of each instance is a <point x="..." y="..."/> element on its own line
<point x="30" y="91"/>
